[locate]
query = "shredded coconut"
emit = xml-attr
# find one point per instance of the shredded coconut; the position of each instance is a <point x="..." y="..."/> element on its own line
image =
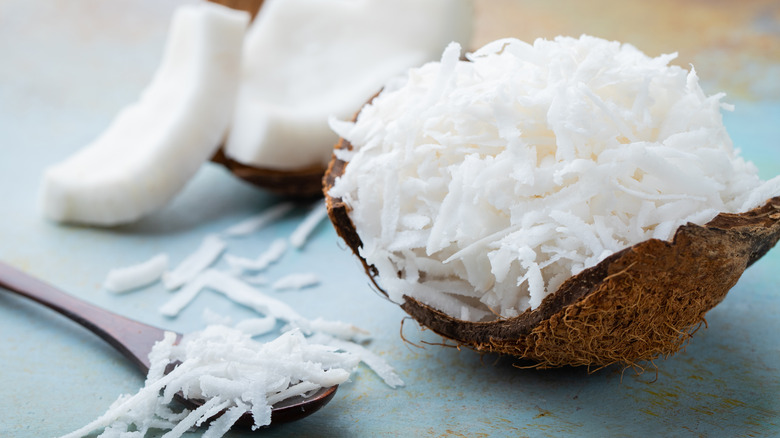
<point x="133" y="277"/>
<point x="211" y="317"/>
<point x="256" y="279"/>
<point x="185" y="295"/>
<point x="371" y="359"/>
<point x="245" y="294"/>
<point x="220" y="371"/>
<point x="260" y="220"/>
<point x="257" y="326"/>
<point x="231" y="372"/>
<point x="207" y="253"/>
<point x="296" y="281"/>
<point x="272" y="255"/>
<point x="317" y="214"/>
<point x="480" y="187"/>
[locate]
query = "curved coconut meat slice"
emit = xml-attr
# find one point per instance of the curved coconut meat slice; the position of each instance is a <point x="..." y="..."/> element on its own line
<point x="338" y="56"/>
<point x="156" y="145"/>
<point x="636" y="305"/>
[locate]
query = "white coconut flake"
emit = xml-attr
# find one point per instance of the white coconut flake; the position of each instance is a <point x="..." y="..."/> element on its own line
<point x="232" y="373"/>
<point x="256" y="279"/>
<point x="272" y="255"/>
<point x="257" y="326"/>
<point x="224" y="422"/>
<point x="766" y="191"/>
<point x="338" y="329"/>
<point x="159" y="355"/>
<point x="296" y="281"/>
<point x="211" y="317"/>
<point x="259" y="221"/>
<point x="185" y="295"/>
<point x="155" y="145"/>
<point x="300" y="236"/>
<point x="501" y="177"/>
<point x="372" y="360"/>
<point x="207" y="253"/>
<point x="245" y="294"/>
<point x="133" y="277"/>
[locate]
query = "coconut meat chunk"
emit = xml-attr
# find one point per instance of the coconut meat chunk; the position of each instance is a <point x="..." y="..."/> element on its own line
<point x="156" y="145"/>
<point x="339" y="55"/>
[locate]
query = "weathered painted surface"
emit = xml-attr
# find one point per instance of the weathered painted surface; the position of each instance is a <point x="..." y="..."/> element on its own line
<point x="66" y="67"/>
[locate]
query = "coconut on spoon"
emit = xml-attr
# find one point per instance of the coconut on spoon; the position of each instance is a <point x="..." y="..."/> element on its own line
<point x="570" y="202"/>
<point x="220" y="374"/>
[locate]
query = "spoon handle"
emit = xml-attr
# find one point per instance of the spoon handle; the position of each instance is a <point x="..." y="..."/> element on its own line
<point x="131" y="338"/>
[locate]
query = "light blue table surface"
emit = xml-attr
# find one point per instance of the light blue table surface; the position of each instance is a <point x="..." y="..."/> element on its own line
<point x="60" y="84"/>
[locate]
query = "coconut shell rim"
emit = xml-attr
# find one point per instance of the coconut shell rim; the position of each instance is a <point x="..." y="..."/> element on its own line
<point x="305" y="182"/>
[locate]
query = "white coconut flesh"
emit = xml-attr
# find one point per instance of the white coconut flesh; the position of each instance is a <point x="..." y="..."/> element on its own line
<point x="132" y="277"/>
<point x="306" y="60"/>
<point x="154" y="146"/>
<point x="479" y="187"/>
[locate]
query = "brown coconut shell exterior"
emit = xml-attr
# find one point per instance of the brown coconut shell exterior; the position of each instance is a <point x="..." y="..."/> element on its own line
<point x="298" y="183"/>
<point x="251" y="6"/>
<point x="639" y="304"/>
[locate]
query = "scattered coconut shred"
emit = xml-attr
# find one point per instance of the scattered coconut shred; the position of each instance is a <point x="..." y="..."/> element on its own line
<point x="223" y="364"/>
<point x="272" y="255"/>
<point x="260" y="220"/>
<point x="479" y="187"/>
<point x="136" y="276"/>
<point x="296" y="281"/>
<point x="207" y="253"/>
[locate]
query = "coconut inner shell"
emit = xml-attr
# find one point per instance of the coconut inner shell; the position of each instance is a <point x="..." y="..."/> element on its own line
<point x="298" y="183"/>
<point x="636" y="305"/>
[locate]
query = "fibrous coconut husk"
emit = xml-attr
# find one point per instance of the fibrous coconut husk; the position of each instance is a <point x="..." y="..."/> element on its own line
<point x="639" y="304"/>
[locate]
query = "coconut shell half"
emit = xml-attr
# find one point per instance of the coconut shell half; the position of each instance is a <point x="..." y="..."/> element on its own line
<point x="298" y="183"/>
<point x="639" y="304"/>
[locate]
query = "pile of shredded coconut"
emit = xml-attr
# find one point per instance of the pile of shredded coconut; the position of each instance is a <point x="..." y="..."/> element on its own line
<point x="480" y="187"/>
<point x="231" y="372"/>
<point x="223" y="364"/>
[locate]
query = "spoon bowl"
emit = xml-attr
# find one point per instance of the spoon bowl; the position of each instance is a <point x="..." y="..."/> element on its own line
<point x="135" y="339"/>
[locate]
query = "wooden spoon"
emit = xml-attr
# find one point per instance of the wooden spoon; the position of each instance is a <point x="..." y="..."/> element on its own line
<point x="135" y="339"/>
